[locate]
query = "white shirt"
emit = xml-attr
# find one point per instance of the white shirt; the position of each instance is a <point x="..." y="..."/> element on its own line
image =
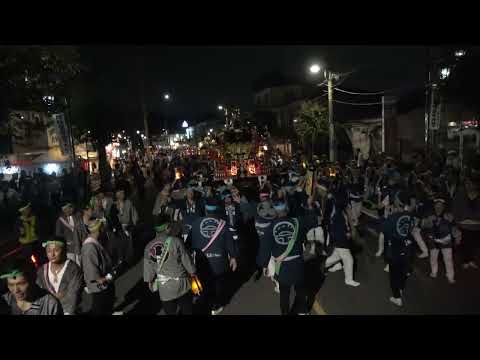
<point x="51" y="276"/>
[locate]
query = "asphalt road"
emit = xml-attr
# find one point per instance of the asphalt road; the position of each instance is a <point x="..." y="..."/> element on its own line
<point x="423" y="295"/>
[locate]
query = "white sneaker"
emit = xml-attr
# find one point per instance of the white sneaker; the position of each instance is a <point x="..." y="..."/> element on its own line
<point x="352" y="283"/>
<point x="336" y="267"/>
<point x="473" y="265"/>
<point x="303" y="314"/>
<point x="387" y="268"/>
<point x="423" y="255"/>
<point x="217" y="311"/>
<point x="396" y="301"/>
<point x="379" y="253"/>
<point x="466" y="266"/>
<point x="451" y="281"/>
<point x="433" y="276"/>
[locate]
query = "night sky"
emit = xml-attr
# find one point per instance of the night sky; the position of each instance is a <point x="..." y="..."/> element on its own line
<point x="199" y="78"/>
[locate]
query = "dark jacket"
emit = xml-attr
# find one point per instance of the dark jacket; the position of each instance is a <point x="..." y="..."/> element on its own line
<point x="217" y="253"/>
<point x="397" y="229"/>
<point x="292" y="269"/>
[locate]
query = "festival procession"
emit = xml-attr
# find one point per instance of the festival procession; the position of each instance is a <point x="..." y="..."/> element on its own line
<point x="240" y="224"/>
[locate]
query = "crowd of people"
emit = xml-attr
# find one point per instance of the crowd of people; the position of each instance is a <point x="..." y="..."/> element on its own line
<point x="204" y="231"/>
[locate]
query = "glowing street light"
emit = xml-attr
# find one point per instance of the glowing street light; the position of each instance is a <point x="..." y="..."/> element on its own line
<point x="315" y="69"/>
<point x="184" y="124"/>
<point x="460" y="53"/>
<point x="138" y="132"/>
<point x="166" y="96"/>
<point x="211" y="130"/>
<point x="444" y="73"/>
<point x="220" y="107"/>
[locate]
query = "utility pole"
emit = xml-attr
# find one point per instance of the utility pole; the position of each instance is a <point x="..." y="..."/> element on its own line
<point x="427" y="108"/>
<point x="331" y="126"/>
<point x="70" y="130"/>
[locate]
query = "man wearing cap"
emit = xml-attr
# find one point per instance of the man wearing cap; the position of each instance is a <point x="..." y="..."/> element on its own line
<point x="27" y="226"/>
<point x="60" y="276"/>
<point x="97" y="270"/>
<point x="286" y="248"/>
<point x="65" y="228"/>
<point x="397" y="229"/>
<point x="263" y="223"/>
<point x="125" y="215"/>
<point x="340" y="235"/>
<point x="441" y="239"/>
<point x="466" y="209"/>
<point x="190" y="209"/>
<point x="214" y="251"/>
<point x="24" y="296"/>
<point x="168" y="267"/>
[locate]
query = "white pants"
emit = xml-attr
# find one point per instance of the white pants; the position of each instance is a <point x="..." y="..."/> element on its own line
<point x="355" y="210"/>
<point x="345" y="256"/>
<point x="419" y="240"/>
<point x="381" y="243"/>
<point x="315" y="235"/>
<point x="447" y="260"/>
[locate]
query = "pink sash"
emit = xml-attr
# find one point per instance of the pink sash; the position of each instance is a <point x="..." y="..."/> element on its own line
<point x="215" y="235"/>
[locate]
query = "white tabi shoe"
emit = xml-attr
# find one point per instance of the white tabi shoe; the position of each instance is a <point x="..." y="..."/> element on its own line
<point x="277" y="288"/>
<point x="396" y="301"/>
<point x="433" y="276"/>
<point x="217" y="311"/>
<point x="473" y="265"/>
<point x="336" y="267"/>
<point x="423" y="255"/>
<point x="451" y="281"/>
<point x="387" y="268"/>
<point x="352" y="283"/>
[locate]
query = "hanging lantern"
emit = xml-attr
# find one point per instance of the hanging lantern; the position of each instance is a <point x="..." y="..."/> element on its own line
<point x="178" y="174"/>
<point x="197" y="287"/>
<point x="233" y="168"/>
<point x="332" y="172"/>
<point x="252" y="170"/>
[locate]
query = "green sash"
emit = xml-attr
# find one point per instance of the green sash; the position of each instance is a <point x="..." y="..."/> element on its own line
<point x="279" y="260"/>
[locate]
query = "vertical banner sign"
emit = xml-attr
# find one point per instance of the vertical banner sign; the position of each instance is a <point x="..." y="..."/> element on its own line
<point x="388" y="123"/>
<point x="435" y="111"/>
<point x="309" y="183"/>
<point x="62" y="133"/>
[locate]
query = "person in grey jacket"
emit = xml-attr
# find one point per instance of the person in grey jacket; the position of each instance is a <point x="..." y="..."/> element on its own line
<point x="65" y="228"/>
<point x="24" y="296"/>
<point x="97" y="270"/>
<point x="61" y="276"/>
<point x="168" y="268"/>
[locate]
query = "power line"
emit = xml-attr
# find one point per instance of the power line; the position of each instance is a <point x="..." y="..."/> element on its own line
<point x="365" y="93"/>
<point x="349" y="103"/>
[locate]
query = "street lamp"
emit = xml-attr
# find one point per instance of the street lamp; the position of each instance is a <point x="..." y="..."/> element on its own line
<point x="444" y="73"/>
<point x="166" y="96"/>
<point x="315" y="69"/>
<point x="138" y="132"/>
<point x="184" y="124"/>
<point x="460" y="53"/>
<point x="220" y="107"/>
